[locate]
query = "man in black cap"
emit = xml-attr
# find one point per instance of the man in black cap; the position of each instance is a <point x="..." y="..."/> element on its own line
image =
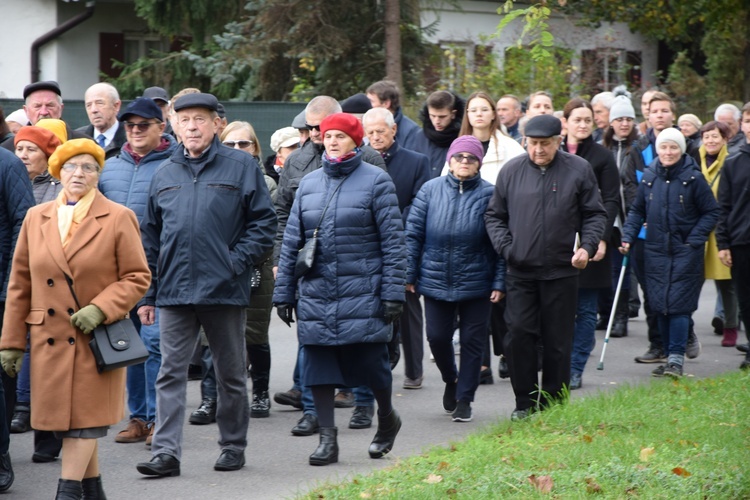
<point x="208" y="221"/>
<point x="546" y="219"/>
<point x="43" y="100"/>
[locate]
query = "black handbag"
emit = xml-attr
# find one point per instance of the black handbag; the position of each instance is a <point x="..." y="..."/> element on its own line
<point x="306" y="254"/>
<point x="116" y="345"/>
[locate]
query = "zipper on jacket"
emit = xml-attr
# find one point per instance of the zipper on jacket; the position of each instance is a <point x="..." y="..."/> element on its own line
<point x="461" y="187"/>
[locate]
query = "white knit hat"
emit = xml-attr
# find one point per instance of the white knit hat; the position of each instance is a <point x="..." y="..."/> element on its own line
<point x="284" y="138"/>
<point x="674" y="135"/>
<point x="621" y="108"/>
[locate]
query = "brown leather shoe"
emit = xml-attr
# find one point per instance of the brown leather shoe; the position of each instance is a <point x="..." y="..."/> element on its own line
<point x="136" y="430"/>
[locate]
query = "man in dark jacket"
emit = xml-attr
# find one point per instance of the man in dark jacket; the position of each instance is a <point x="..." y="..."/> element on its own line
<point x="209" y="219"/>
<point x="126" y="179"/>
<point x="298" y="164"/>
<point x="733" y="229"/>
<point x="16" y="197"/>
<point x="409" y="170"/>
<point x="102" y="105"/>
<point x="441" y="119"/>
<point x="546" y="219"/>
<point x="43" y="100"/>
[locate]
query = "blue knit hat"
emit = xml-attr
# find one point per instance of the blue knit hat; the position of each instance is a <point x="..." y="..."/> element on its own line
<point x="466" y="144"/>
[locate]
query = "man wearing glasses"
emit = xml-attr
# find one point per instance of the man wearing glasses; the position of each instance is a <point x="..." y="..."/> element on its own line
<point x="546" y="219"/>
<point x="126" y="180"/>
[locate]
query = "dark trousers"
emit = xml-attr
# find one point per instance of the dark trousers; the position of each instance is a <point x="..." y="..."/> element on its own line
<point x="741" y="279"/>
<point x="638" y="262"/>
<point x="7" y="399"/>
<point x="411" y="326"/>
<point x="496" y="334"/>
<point x="474" y="315"/>
<point x="539" y="310"/>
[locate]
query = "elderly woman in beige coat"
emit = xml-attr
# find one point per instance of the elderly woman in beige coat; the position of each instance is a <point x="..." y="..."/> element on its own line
<point x="97" y="244"/>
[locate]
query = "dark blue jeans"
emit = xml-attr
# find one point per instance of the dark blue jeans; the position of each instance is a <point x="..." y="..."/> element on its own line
<point x="674" y="332"/>
<point x="584" y="337"/>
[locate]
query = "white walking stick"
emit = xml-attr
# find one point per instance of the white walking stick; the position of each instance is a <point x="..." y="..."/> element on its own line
<point x="614" y="310"/>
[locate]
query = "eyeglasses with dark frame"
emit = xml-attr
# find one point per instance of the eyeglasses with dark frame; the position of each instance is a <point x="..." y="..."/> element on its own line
<point x="87" y="168"/>
<point x="470" y="159"/>
<point x="241" y="144"/>
<point x="142" y="126"/>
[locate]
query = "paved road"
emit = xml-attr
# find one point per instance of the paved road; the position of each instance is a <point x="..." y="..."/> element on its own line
<point x="277" y="461"/>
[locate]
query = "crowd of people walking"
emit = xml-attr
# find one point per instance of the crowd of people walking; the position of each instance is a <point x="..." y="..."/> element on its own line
<point x="501" y="223"/>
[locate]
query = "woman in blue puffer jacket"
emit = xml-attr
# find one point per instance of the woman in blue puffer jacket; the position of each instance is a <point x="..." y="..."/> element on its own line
<point x="452" y="263"/>
<point x="348" y="299"/>
<point x="676" y="203"/>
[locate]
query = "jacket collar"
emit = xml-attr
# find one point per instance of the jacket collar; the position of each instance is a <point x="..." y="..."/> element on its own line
<point x="464" y="185"/>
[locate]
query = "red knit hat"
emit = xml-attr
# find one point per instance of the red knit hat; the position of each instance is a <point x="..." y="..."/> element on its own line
<point x="346" y="123"/>
<point x="43" y="138"/>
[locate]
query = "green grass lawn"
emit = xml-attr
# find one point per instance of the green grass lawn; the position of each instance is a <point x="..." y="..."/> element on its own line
<point x="670" y="440"/>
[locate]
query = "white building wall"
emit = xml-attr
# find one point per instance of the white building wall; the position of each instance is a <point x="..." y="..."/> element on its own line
<point x="478" y="19"/>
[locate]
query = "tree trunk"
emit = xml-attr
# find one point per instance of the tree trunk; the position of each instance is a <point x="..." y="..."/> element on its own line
<point x="393" y="41"/>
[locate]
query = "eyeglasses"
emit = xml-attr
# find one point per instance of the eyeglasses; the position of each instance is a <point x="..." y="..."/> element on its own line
<point x="87" y="168"/>
<point x="470" y="159"/>
<point x="313" y="127"/>
<point x="241" y="144"/>
<point x="142" y="127"/>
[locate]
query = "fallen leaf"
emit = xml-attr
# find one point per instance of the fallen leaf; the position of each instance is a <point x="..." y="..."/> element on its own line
<point x="646" y="454"/>
<point x="433" y="478"/>
<point x="443" y="465"/>
<point x="592" y="486"/>
<point x="543" y="484"/>
<point x="451" y="491"/>
<point x="453" y="447"/>
<point x="365" y="495"/>
<point x="681" y="472"/>
<point x="587" y="438"/>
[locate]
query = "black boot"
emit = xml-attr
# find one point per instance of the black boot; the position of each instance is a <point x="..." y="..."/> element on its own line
<point x="93" y="488"/>
<point x="69" y="490"/>
<point x="620" y="325"/>
<point x="21" y="421"/>
<point x="327" y="451"/>
<point x="388" y="428"/>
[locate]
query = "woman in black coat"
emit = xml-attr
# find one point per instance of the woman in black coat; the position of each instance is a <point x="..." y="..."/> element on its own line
<point x="579" y="122"/>
<point x="676" y="202"/>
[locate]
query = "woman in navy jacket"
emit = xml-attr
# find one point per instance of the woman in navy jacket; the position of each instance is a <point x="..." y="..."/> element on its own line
<point x="354" y="291"/>
<point x="677" y="204"/>
<point x="452" y="263"/>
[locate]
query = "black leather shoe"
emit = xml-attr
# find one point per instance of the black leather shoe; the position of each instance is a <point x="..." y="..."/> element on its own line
<point x="503" y="370"/>
<point x="68" y="489"/>
<point x="601" y="323"/>
<point x="388" y="428"/>
<point x="40" y="458"/>
<point x="21" y="421"/>
<point x="327" y="451"/>
<point x="161" y="465"/>
<point x="93" y="489"/>
<point x="205" y="414"/>
<point x="6" y="472"/>
<point x="743" y="348"/>
<point x="485" y="377"/>
<point x="307" y="425"/>
<point x="230" y="460"/>
<point x="361" y="417"/>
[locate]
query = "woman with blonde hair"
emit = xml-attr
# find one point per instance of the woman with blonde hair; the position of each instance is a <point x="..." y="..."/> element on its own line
<point x="241" y="135"/>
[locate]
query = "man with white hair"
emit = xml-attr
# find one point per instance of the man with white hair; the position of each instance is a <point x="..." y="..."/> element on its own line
<point x="730" y="115"/>
<point x="102" y="103"/>
<point x="601" y="104"/>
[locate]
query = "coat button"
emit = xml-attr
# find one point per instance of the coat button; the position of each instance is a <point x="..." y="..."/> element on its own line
<point x="51" y="282"/>
<point x="71" y="341"/>
<point x="71" y="311"/>
<point x="51" y="341"/>
<point x="51" y="312"/>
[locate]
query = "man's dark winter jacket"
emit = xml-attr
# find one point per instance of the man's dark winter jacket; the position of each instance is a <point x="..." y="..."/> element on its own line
<point x="680" y="210"/>
<point x="114" y="146"/>
<point x="534" y="215"/>
<point x="408" y="170"/>
<point x="360" y="259"/>
<point x="204" y="231"/>
<point x="450" y="255"/>
<point x="733" y="228"/>
<point x="16" y="198"/>
<point x="406" y="131"/>
<point x="298" y="164"/>
<point x="435" y="144"/>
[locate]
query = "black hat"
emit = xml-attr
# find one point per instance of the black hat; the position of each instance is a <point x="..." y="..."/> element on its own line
<point x="207" y="101"/>
<point x="543" y="126"/>
<point x="222" y="112"/>
<point x="48" y="85"/>
<point x="144" y="107"/>
<point x="156" y="93"/>
<point x="356" y="104"/>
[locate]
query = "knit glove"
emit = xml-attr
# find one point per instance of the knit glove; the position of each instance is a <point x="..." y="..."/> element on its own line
<point x="87" y="318"/>
<point x="392" y="311"/>
<point x="286" y="312"/>
<point x="11" y="360"/>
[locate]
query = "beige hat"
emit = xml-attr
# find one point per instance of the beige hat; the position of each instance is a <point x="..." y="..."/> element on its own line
<point x="692" y="119"/>
<point x="284" y="138"/>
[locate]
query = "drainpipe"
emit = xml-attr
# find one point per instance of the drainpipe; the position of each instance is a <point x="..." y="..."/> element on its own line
<point x="55" y="33"/>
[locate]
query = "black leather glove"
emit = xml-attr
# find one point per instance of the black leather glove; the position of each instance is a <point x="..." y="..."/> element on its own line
<point x="392" y="311"/>
<point x="286" y="313"/>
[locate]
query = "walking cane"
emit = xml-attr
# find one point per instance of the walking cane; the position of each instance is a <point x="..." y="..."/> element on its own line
<point x="614" y="310"/>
